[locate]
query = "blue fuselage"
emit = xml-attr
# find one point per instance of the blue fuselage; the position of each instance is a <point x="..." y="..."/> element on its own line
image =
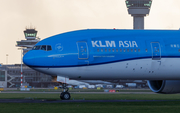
<point x="94" y="47"/>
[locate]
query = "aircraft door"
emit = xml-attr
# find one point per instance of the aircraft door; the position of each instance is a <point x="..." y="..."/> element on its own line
<point x="156" y="50"/>
<point x="82" y="50"/>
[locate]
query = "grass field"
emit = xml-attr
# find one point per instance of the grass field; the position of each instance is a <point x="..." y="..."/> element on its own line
<point x="116" y="107"/>
<point x="120" y="107"/>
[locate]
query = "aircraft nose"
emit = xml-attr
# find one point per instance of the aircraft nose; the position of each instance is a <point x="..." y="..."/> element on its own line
<point x="28" y="59"/>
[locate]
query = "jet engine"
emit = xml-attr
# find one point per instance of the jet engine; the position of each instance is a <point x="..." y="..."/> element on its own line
<point x="164" y="86"/>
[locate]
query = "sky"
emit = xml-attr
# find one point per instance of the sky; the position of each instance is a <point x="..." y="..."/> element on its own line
<point x="51" y="17"/>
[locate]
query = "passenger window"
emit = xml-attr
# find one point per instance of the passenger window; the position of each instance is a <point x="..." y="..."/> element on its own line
<point x="109" y="50"/>
<point x="105" y="50"/>
<point x="101" y="50"/>
<point x="131" y="50"/>
<point x="146" y="50"/>
<point x="120" y="50"/>
<point x="49" y="48"/>
<point x="179" y="50"/>
<point x="135" y="50"/>
<point x="124" y="50"/>
<point x="127" y="50"/>
<point x="97" y="50"/>
<point x="116" y="50"/>
<point x="138" y="50"/>
<point x="36" y="48"/>
<point x="43" y="47"/>
<point x="112" y="50"/>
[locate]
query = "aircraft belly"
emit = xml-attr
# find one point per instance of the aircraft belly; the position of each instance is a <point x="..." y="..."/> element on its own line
<point x="143" y="69"/>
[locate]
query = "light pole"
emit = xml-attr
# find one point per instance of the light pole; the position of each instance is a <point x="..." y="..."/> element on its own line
<point x="6" y="58"/>
<point x="21" y="67"/>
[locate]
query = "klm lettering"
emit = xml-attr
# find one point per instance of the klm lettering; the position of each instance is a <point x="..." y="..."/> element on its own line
<point x="113" y="44"/>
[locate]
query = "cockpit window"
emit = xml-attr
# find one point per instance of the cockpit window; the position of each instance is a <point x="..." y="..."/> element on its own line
<point x="43" y="47"/>
<point x="36" y="48"/>
<point x="49" y="48"/>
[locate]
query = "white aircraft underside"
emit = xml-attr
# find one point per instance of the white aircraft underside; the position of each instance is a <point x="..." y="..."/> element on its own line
<point x="143" y="69"/>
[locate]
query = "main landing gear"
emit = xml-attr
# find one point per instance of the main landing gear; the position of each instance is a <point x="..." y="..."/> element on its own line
<point x="65" y="95"/>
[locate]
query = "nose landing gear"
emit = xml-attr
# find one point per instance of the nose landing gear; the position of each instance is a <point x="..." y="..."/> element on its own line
<point x="65" y="95"/>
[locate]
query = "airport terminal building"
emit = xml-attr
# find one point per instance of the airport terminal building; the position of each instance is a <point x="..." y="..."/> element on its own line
<point x="3" y="78"/>
<point x="10" y="76"/>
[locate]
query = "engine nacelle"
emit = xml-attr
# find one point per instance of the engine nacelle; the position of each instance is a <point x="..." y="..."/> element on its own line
<point x="164" y="86"/>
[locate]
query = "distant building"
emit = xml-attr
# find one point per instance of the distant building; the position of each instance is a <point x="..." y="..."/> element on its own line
<point x="3" y="78"/>
<point x="10" y="76"/>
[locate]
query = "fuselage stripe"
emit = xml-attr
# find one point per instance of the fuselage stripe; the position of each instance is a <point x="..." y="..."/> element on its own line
<point x="137" y="58"/>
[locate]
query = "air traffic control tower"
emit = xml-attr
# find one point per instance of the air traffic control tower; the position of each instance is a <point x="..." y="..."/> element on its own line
<point x="138" y="9"/>
<point x="31" y="40"/>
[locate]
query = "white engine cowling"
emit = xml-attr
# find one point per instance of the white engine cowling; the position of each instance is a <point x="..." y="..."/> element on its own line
<point x="164" y="86"/>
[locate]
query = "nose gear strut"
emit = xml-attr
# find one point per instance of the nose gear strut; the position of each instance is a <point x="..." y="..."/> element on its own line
<point x="65" y="95"/>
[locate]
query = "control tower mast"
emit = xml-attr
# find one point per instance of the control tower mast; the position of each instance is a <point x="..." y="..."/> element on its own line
<point x="138" y="9"/>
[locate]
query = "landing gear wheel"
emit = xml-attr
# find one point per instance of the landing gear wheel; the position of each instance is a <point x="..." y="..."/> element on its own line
<point x="65" y="96"/>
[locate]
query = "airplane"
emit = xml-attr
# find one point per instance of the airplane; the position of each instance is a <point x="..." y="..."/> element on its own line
<point x="111" y="54"/>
